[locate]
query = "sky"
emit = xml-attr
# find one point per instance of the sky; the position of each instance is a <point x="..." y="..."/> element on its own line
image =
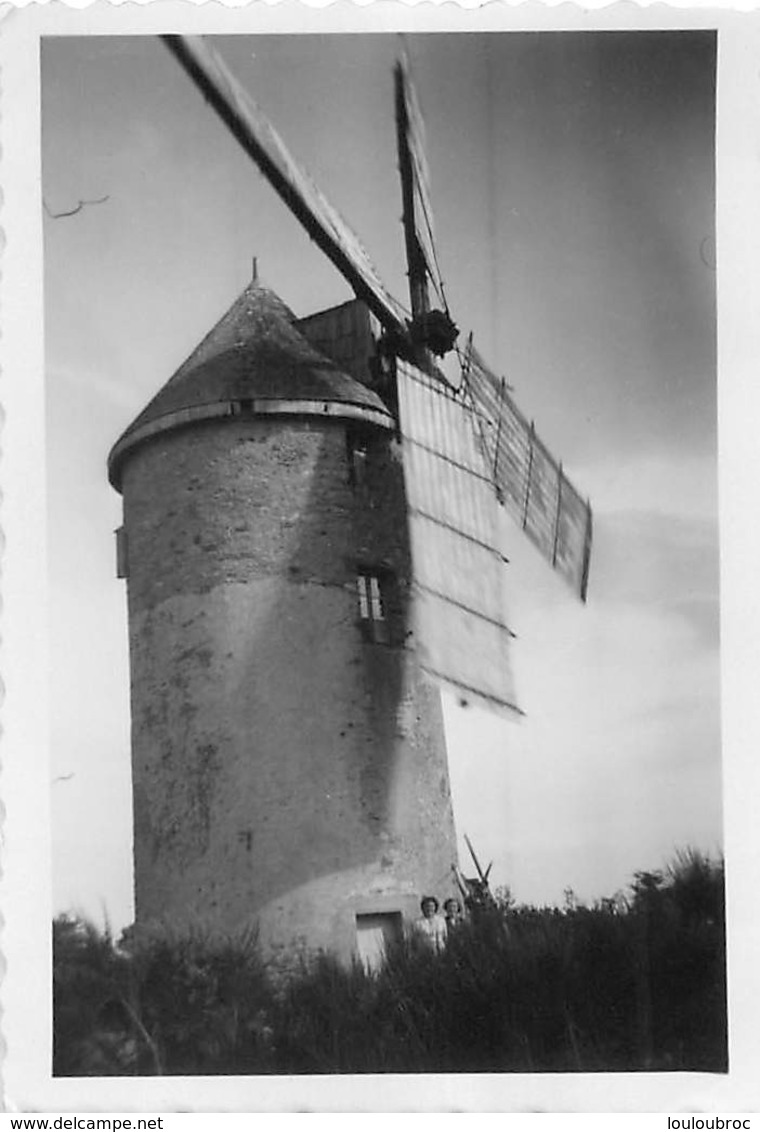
<point x="573" y="188"/>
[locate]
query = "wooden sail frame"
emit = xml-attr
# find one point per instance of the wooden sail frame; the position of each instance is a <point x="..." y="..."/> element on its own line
<point x="531" y="484"/>
<point x="261" y="141"/>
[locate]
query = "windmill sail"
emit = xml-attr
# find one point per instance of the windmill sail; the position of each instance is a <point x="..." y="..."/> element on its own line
<point x="462" y="638"/>
<point x="530" y="482"/>
<point x="415" y="181"/>
<point x="260" y="140"/>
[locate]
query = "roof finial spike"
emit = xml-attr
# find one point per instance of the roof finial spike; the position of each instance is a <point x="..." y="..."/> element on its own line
<point x="255" y="270"/>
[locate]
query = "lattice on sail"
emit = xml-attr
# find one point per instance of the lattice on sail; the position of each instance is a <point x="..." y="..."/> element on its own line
<point x="462" y="637"/>
<point x="529" y="481"/>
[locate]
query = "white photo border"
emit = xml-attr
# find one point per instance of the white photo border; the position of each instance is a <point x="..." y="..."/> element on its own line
<point x="24" y="786"/>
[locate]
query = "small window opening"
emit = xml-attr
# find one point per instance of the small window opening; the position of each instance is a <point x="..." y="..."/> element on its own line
<point x="375" y="602"/>
<point x="357" y="448"/>
<point x="122" y="561"/>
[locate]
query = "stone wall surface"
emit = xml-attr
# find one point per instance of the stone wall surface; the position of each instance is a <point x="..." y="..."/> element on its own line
<point x="285" y="770"/>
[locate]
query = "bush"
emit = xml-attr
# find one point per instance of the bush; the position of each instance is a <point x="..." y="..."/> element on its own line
<point x="205" y="1004"/>
<point x="91" y="979"/>
<point x="630" y="983"/>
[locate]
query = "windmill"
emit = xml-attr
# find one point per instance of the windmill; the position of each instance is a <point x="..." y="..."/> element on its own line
<point x="476" y="891"/>
<point x="322" y="806"/>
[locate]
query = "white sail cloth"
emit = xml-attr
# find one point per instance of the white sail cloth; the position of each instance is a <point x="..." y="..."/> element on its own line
<point x="462" y="638"/>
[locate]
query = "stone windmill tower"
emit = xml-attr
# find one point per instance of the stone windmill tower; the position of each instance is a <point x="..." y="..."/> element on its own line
<point x="311" y="548"/>
<point x="289" y="762"/>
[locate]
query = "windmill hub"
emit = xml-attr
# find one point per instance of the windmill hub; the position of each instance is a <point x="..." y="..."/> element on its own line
<point x="434" y="330"/>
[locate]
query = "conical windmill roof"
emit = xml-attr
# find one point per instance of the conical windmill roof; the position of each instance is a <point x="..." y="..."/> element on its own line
<point x="254" y="359"/>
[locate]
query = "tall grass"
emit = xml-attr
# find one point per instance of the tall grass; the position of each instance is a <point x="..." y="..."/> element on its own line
<point x="635" y="982"/>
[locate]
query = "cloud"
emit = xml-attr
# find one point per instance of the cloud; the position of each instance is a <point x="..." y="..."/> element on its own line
<point x="617" y="761"/>
<point x="683" y="485"/>
<point x="665" y="564"/>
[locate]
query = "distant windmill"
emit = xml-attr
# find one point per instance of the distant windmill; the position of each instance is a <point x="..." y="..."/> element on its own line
<point x="476" y="891"/>
<point x="308" y="542"/>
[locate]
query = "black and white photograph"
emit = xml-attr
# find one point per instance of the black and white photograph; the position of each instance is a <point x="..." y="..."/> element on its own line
<point x="381" y="553"/>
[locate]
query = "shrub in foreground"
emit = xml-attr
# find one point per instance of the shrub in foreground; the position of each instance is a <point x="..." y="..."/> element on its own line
<point x="631" y="983"/>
